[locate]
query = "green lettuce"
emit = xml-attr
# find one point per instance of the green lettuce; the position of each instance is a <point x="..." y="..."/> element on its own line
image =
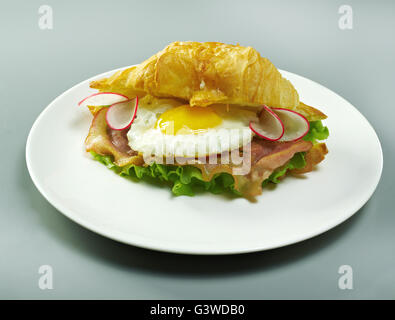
<point x="297" y="162"/>
<point x="317" y="132"/>
<point x="183" y="180"/>
<point x="188" y="180"/>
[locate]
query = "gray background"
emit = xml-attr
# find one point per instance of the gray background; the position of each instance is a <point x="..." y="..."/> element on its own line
<point x="91" y="37"/>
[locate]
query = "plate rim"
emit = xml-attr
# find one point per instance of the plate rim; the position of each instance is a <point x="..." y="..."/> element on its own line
<point x="69" y="213"/>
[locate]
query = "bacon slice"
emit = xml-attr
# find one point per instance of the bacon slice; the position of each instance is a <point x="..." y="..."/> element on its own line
<point x="266" y="156"/>
<point x="106" y="142"/>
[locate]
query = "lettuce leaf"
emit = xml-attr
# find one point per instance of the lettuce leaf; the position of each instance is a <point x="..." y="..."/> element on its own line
<point x="183" y="180"/>
<point x="317" y="132"/>
<point x="297" y="161"/>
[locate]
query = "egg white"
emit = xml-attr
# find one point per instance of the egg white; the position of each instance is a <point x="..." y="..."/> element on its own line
<point x="231" y="134"/>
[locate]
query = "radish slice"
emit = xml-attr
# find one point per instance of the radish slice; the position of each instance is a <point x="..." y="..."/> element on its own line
<point x="120" y="115"/>
<point x="102" y="99"/>
<point x="269" y="127"/>
<point x="296" y="126"/>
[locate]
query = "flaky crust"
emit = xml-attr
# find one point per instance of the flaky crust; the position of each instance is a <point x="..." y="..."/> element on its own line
<point x="206" y="73"/>
<point x="310" y="113"/>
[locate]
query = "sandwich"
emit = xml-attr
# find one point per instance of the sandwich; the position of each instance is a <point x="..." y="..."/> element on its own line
<point x="204" y="117"/>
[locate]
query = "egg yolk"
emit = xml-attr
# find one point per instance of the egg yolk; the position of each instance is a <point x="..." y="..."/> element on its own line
<point x="186" y="119"/>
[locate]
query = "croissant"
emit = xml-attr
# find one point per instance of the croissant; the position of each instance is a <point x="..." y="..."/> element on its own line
<point x="204" y="74"/>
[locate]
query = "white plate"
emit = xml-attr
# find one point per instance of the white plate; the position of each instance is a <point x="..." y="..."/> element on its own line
<point x="150" y="217"/>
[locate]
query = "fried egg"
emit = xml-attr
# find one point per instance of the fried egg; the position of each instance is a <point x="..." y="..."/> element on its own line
<point x="168" y="128"/>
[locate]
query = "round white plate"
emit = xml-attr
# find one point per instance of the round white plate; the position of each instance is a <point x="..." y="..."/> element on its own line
<point x="148" y="216"/>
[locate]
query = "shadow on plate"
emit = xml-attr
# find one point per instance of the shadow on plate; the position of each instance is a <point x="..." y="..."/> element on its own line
<point x="110" y="252"/>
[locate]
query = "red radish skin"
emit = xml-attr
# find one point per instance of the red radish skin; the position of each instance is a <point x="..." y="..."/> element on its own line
<point x="300" y="115"/>
<point x="85" y="101"/>
<point x="255" y="127"/>
<point x="115" y="105"/>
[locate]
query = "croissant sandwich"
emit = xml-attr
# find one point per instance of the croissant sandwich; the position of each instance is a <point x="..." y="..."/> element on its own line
<point x="204" y="117"/>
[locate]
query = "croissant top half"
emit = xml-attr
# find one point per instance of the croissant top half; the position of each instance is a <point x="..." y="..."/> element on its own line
<point x="204" y="74"/>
